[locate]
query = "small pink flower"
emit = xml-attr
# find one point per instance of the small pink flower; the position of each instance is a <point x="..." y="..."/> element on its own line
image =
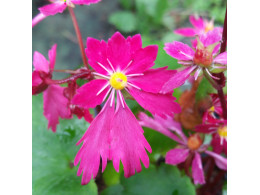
<point x="214" y="114"/>
<point x="122" y="66"/>
<point x="204" y="57"/>
<point x="55" y="104"/>
<point x="200" y="26"/>
<point x="190" y="147"/>
<point x="215" y="124"/>
<point x="58" y="6"/>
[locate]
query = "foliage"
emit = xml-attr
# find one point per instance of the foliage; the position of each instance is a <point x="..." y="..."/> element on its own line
<point x="53" y="154"/>
<point x="164" y="179"/>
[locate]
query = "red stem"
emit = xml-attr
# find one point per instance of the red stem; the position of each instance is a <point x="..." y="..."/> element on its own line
<point x="223" y="49"/>
<point x="80" y="40"/>
<point x="72" y="78"/>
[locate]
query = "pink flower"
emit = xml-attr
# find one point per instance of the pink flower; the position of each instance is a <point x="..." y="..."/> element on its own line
<point x="55" y="104"/>
<point x="215" y="124"/>
<point x="200" y="26"/>
<point x="122" y="66"/>
<point x="58" y="6"/>
<point x="204" y="58"/>
<point x="190" y="147"/>
<point x="214" y="114"/>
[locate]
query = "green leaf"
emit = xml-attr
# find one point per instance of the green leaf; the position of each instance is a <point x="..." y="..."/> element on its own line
<point x="204" y="89"/>
<point x="166" y="180"/>
<point x="53" y="154"/>
<point x="163" y="59"/>
<point x="124" y="20"/>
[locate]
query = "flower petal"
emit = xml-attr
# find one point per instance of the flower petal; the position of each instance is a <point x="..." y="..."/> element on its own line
<point x="221" y="58"/>
<point x="36" y="79"/>
<point x="217" y="145"/>
<point x="221" y="162"/>
<point x="143" y="59"/>
<point x="52" y="56"/>
<point x="87" y="95"/>
<point x="152" y="80"/>
<point x="128" y="143"/>
<point x="197" y="170"/>
<point x="177" y="79"/>
<point x="211" y="37"/>
<point x="96" y="52"/>
<point x="179" y="50"/>
<point x="95" y="144"/>
<point x="118" y="51"/>
<point x="176" y="156"/>
<point x="38" y="18"/>
<point x="152" y="123"/>
<point x="156" y="103"/>
<point x="40" y="63"/>
<point x="85" y="2"/>
<point x="197" y="22"/>
<point x="53" y="8"/>
<point x="55" y="105"/>
<point x="187" y="32"/>
<point x="135" y="42"/>
<point x="206" y="128"/>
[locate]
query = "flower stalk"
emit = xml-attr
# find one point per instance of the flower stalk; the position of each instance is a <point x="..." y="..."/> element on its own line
<point x="49" y="81"/>
<point x="79" y="37"/>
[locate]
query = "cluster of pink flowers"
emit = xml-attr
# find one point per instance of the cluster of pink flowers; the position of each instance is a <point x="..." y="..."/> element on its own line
<point x="122" y="68"/>
<point x="189" y="147"/>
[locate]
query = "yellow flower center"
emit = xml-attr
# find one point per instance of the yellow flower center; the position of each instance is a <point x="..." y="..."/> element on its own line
<point x="118" y="80"/>
<point x="209" y="26"/>
<point x="212" y="109"/>
<point x="222" y="131"/>
<point x="194" y="142"/>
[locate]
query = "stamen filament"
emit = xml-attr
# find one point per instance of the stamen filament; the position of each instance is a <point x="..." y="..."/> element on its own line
<point x="133" y="86"/>
<point x="121" y="98"/>
<point x="211" y="75"/>
<point x="101" y="75"/>
<point x="197" y="73"/>
<point x="108" y="71"/>
<point x="103" y="88"/>
<point x="185" y="54"/>
<point x="112" y="98"/>
<point x="134" y="75"/>
<point x="127" y="66"/>
<point x="111" y="65"/>
<point x="107" y="93"/>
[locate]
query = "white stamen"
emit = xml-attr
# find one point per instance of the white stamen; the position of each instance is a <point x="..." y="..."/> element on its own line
<point x="134" y="75"/>
<point x="185" y="54"/>
<point x="121" y="98"/>
<point x="111" y="65"/>
<point x="197" y="73"/>
<point x="127" y="66"/>
<point x="221" y="140"/>
<point x="101" y="75"/>
<point x="107" y="94"/>
<point x="112" y="98"/>
<point x="104" y="67"/>
<point x="103" y="88"/>
<point x="133" y="85"/>
<point x="211" y="75"/>
<point x="219" y="67"/>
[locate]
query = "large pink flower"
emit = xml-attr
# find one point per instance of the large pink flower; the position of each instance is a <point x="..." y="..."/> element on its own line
<point x="200" y="26"/>
<point x="190" y="147"/>
<point x="58" y="6"/>
<point x="122" y="66"/>
<point x="55" y="104"/>
<point x="204" y="57"/>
